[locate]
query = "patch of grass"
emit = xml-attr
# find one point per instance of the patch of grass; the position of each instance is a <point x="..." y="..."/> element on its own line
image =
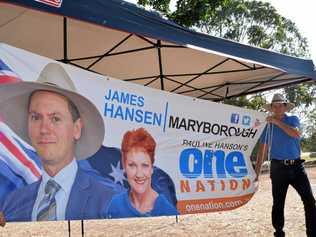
<point x="308" y="156"/>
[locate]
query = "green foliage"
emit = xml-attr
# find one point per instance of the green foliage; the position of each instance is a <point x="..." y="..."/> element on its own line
<point x="303" y="94"/>
<point x="159" y="5"/>
<point x="252" y="22"/>
<point x="309" y="143"/>
<point x="254" y="102"/>
<point x="309" y="137"/>
<point x="191" y="12"/>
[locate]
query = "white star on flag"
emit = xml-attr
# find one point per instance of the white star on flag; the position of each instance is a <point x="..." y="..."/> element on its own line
<point x="117" y="174"/>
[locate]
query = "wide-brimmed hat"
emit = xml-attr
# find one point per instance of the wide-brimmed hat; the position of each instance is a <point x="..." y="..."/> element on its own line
<point x="278" y="98"/>
<point x="14" y="99"/>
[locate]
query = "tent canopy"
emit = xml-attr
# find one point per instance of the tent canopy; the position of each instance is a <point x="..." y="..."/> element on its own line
<point x="124" y="41"/>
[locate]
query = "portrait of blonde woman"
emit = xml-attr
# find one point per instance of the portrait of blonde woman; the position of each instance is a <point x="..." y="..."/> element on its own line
<point x="140" y="200"/>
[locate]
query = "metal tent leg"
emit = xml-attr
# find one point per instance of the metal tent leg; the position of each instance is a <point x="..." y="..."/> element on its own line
<point x="69" y="231"/>
<point x="82" y="228"/>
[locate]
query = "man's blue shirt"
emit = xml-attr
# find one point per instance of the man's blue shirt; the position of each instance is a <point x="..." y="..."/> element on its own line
<point x="283" y="146"/>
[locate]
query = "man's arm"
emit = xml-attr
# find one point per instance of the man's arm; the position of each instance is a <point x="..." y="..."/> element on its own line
<point x="2" y="219"/>
<point x="292" y="132"/>
<point x="261" y="156"/>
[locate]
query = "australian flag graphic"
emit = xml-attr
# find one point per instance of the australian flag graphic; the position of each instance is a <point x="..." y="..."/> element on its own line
<point x="107" y="161"/>
<point x="7" y="75"/>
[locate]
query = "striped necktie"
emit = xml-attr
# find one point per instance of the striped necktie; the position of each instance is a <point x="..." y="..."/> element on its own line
<point x="47" y="207"/>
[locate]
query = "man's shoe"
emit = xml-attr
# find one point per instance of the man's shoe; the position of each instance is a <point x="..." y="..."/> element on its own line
<point x="279" y="233"/>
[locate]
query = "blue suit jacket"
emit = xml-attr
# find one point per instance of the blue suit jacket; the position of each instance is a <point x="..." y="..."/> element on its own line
<point x="88" y="199"/>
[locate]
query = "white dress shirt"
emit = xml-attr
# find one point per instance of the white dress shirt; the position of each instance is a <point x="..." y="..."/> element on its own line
<point x="65" y="178"/>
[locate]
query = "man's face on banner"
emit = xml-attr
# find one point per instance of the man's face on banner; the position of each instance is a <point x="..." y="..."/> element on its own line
<point x="51" y="128"/>
<point x="138" y="169"/>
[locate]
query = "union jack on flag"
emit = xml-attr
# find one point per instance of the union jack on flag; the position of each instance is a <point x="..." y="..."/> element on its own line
<point x="18" y="156"/>
<point x="7" y="75"/>
<point x="53" y="3"/>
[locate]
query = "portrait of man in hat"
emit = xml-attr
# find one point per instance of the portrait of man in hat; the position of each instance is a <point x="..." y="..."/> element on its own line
<point x="281" y="139"/>
<point x="63" y="127"/>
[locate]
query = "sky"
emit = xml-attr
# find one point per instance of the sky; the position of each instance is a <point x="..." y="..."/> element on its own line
<point x="302" y="13"/>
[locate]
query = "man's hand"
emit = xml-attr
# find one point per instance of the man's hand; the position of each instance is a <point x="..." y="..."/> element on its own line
<point x="2" y="219"/>
<point x="272" y="119"/>
<point x="291" y="131"/>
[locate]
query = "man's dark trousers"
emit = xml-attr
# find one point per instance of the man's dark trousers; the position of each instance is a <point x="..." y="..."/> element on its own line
<point x="282" y="176"/>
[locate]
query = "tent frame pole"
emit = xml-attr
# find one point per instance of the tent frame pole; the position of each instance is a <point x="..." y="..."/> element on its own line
<point x="211" y="90"/>
<point x="160" y="65"/>
<point x="65" y="59"/>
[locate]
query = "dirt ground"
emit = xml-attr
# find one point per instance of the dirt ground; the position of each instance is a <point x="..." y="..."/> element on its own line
<point x="253" y="220"/>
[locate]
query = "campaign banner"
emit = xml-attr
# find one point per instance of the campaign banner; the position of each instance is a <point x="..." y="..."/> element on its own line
<point x="160" y="154"/>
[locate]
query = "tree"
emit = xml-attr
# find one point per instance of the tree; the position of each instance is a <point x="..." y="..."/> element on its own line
<point x="255" y="23"/>
<point x="159" y="5"/>
<point x="302" y="95"/>
<point x="251" y="22"/>
<point x="309" y="135"/>
<point x="254" y="102"/>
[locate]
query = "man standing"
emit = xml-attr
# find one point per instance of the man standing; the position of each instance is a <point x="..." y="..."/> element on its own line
<point x="281" y="138"/>
<point x="63" y="127"/>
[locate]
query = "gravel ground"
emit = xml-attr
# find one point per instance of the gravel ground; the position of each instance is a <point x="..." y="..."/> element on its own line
<point x="253" y="220"/>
